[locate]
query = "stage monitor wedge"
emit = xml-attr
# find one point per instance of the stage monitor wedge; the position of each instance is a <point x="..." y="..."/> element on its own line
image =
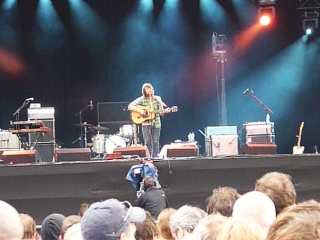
<point x="141" y="151"/>
<point x="259" y="148"/>
<point x="72" y="154"/>
<point x="178" y="151"/>
<point x="21" y="156"/>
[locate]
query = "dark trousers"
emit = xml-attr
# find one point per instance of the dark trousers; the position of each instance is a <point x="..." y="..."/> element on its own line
<point x="151" y="136"/>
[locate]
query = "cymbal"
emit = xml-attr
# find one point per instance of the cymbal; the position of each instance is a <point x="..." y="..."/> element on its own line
<point x="83" y="125"/>
<point x="97" y="128"/>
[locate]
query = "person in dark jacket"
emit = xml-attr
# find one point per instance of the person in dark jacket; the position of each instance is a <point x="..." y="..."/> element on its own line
<point x="153" y="199"/>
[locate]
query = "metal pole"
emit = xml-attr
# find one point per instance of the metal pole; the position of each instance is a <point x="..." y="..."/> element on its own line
<point x="223" y="114"/>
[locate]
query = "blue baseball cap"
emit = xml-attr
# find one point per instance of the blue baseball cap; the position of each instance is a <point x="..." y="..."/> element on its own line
<point x="108" y="219"/>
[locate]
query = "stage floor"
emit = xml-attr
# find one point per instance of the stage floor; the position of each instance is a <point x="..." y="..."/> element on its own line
<point x="40" y="189"/>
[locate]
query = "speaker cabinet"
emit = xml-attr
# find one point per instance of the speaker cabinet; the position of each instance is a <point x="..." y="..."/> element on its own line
<point x="177" y="150"/>
<point x="259" y="148"/>
<point x="72" y="154"/>
<point x="224" y="145"/>
<point x="141" y="151"/>
<point x="45" y="151"/>
<point x="24" y="156"/>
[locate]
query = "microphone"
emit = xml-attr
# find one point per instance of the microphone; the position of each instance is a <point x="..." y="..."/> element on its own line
<point x="29" y="99"/>
<point x="91" y="106"/>
<point x="214" y="42"/>
<point x="246" y="91"/>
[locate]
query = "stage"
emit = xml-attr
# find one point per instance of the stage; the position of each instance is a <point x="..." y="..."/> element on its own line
<point x="43" y="188"/>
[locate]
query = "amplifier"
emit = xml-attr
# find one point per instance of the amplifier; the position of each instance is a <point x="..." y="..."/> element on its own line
<point x="217" y="131"/>
<point x="9" y="140"/>
<point x="262" y="138"/>
<point x="224" y="145"/>
<point x="259" y="128"/>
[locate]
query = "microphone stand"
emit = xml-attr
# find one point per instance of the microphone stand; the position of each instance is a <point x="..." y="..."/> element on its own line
<point x="17" y="114"/>
<point x="267" y="110"/>
<point x="81" y="132"/>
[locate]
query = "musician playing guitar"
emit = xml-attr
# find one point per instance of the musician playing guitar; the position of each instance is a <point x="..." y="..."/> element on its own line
<point x="150" y="120"/>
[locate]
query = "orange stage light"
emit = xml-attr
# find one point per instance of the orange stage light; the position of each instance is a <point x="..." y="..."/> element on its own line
<point x="265" y="20"/>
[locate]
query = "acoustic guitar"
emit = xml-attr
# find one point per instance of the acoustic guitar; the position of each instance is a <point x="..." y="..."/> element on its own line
<point x="149" y="114"/>
<point x="299" y="149"/>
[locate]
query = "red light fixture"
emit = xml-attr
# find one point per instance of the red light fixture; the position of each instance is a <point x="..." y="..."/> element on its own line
<point x="266" y="15"/>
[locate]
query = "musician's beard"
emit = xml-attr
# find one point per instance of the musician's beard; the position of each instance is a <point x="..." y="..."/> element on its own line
<point x="148" y="94"/>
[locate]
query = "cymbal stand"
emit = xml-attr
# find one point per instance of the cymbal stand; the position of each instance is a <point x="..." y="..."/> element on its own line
<point x="82" y="136"/>
<point x="80" y="122"/>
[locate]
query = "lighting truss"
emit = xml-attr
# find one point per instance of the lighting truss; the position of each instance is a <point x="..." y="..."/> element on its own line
<point x="266" y="2"/>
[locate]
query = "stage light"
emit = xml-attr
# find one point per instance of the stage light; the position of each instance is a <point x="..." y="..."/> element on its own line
<point x="266" y="15"/>
<point x="310" y="22"/>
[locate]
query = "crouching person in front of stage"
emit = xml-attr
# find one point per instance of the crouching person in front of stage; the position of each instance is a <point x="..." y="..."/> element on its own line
<point x="111" y="220"/>
<point x="152" y="199"/>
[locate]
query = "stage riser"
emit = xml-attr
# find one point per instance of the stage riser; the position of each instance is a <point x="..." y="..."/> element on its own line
<point x="40" y="190"/>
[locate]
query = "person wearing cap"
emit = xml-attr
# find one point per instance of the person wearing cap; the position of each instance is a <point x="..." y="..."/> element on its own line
<point x="51" y="226"/>
<point x="151" y="127"/>
<point x="111" y="220"/>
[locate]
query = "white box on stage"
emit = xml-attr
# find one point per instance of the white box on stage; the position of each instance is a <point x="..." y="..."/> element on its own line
<point x="224" y="145"/>
<point x="9" y="140"/>
<point x="218" y="131"/>
<point x="259" y="128"/>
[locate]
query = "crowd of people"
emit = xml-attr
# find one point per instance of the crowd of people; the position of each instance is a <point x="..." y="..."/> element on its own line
<point x="268" y="212"/>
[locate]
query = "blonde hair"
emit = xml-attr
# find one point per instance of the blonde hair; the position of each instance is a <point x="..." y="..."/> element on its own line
<point x="241" y="229"/>
<point x="163" y="223"/>
<point x="29" y="226"/>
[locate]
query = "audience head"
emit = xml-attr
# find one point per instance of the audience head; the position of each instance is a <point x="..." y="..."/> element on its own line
<point x="147" y="229"/>
<point x="279" y="187"/>
<point x="67" y="223"/>
<point x="11" y="227"/>
<point x="111" y="220"/>
<point x="241" y="229"/>
<point x="297" y="222"/>
<point x="29" y="226"/>
<point x="51" y="226"/>
<point x="257" y="207"/>
<point x="222" y="201"/>
<point x="184" y="221"/>
<point x="163" y="227"/>
<point x="74" y="232"/>
<point x="83" y="208"/>
<point x="148" y="182"/>
<point x="209" y="227"/>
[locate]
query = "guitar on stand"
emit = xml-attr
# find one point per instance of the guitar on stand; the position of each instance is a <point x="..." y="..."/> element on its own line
<point x="299" y="149"/>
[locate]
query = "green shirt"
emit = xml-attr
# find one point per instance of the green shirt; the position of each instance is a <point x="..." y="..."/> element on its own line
<point x="156" y="104"/>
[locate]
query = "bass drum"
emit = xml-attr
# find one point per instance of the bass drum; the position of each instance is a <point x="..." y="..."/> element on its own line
<point x="126" y="131"/>
<point x="114" y="141"/>
<point x="98" y="143"/>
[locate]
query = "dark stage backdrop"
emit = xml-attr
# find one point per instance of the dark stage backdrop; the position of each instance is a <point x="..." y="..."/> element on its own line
<point x="66" y="53"/>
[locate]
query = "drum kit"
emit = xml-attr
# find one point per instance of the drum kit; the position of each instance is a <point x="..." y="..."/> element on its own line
<point x="106" y="143"/>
